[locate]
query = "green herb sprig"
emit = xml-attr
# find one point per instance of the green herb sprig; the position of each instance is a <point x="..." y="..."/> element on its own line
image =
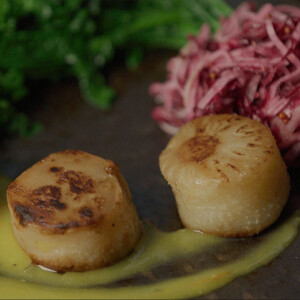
<point x="53" y="39"/>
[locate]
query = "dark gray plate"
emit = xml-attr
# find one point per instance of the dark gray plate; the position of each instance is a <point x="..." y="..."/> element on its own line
<point x="129" y="136"/>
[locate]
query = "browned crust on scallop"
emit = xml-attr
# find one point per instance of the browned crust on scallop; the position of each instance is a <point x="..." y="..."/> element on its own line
<point x="39" y="206"/>
<point x="198" y="148"/>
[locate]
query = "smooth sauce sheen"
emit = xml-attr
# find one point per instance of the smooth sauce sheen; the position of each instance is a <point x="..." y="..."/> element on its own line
<point x="202" y="263"/>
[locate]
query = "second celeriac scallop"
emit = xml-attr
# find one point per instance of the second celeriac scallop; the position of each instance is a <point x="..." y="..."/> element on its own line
<point x="227" y="175"/>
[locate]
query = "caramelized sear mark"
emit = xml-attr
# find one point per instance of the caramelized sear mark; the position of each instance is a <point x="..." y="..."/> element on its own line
<point x="63" y="227"/>
<point x="237" y="118"/>
<point x="224" y="128"/>
<point x="238" y="153"/>
<point x="78" y="182"/>
<point x="55" y="169"/>
<point x="233" y="167"/>
<point x="86" y="220"/>
<point x="111" y="168"/>
<point x="268" y="151"/>
<point x="47" y="197"/>
<point x="15" y="188"/>
<point x="200" y="147"/>
<point x="85" y="212"/>
<point x="241" y="128"/>
<point x="59" y="205"/>
<point x="223" y="175"/>
<point x="24" y="214"/>
<point x="47" y="191"/>
<point x="232" y="118"/>
<point x="41" y="204"/>
<point x="251" y="145"/>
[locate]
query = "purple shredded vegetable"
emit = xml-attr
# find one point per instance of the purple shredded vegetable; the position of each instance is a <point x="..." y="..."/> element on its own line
<point x="250" y="67"/>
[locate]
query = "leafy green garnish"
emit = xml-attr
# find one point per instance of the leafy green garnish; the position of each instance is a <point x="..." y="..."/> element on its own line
<point x="52" y="39"/>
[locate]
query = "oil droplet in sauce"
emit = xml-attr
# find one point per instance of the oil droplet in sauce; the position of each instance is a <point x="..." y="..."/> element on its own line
<point x="179" y="264"/>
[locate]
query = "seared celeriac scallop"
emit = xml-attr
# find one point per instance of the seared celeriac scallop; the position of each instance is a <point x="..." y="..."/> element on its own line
<point x="227" y="175"/>
<point x="72" y="211"/>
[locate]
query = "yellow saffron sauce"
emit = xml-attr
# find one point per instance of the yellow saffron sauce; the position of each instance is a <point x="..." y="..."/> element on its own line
<point x="19" y="278"/>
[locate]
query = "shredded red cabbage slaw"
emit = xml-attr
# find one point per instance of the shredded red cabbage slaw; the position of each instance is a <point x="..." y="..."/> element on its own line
<point x="251" y="67"/>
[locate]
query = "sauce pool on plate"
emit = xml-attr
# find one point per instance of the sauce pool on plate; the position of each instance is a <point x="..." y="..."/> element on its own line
<point x="179" y="264"/>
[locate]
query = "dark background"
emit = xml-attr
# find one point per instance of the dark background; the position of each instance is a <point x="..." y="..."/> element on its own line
<point x="128" y="135"/>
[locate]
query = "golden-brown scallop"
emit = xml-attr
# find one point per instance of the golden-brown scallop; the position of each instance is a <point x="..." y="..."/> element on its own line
<point x="227" y="175"/>
<point x="72" y="211"/>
